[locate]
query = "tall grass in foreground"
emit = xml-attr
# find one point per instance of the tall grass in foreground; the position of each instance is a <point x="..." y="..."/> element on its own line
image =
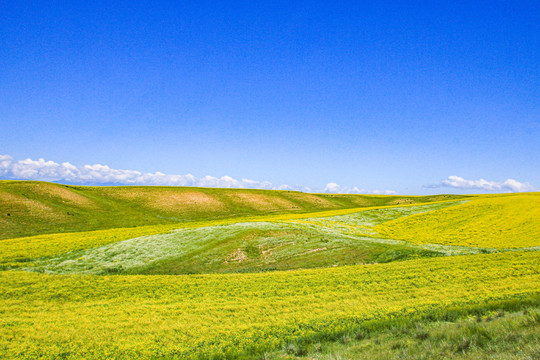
<point x="507" y="330"/>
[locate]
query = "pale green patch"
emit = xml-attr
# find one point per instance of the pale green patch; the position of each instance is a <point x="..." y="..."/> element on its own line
<point x="299" y="237"/>
<point x="142" y="250"/>
<point x="363" y="223"/>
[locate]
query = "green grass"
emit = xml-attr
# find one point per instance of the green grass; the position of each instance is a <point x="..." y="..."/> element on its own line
<point x="243" y="247"/>
<point x="494" y="332"/>
<point x="282" y="244"/>
<point x="286" y="241"/>
<point x="30" y="208"/>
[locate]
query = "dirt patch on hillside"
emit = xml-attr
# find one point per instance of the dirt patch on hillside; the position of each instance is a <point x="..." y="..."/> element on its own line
<point x="15" y="204"/>
<point x="261" y="201"/>
<point x="182" y="201"/>
<point x="313" y="200"/>
<point x="403" y="201"/>
<point x="316" y="250"/>
<point x="170" y="201"/>
<point x="66" y="195"/>
<point x="237" y="256"/>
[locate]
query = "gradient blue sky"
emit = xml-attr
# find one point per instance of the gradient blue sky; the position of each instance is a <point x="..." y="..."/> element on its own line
<point x="379" y="95"/>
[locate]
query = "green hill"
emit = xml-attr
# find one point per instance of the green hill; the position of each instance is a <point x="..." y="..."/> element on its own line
<point x="31" y="207"/>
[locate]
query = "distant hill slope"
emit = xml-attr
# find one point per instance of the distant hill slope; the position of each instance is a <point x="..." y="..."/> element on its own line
<point x="33" y="207"/>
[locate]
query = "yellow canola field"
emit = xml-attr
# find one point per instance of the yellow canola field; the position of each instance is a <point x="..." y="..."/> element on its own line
<point x="217" y="316"/>
<point x="31" y="247"/>
<point x="501" y="222"/>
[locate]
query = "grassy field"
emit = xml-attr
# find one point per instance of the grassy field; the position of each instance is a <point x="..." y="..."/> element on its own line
<point x="34" y="208"/>
<point x="278" y="242"/>
<point x="366" y="276"/>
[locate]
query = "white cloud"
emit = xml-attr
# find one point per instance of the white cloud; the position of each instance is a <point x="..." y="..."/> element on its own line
<point x="40" y="169"/>
<point x="338" y="189"/>
<point x="5" y="164"/>
<point x="381" y="192"/>
<point x="509" y="185"/>
<point x="102" y="174"/>
<point x="332" y="188"/>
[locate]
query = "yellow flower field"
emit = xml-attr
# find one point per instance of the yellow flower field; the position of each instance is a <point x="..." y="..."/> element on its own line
<point x="244" y="315"/>
<point x="501" y="222"/>
<point x="217" y="316"/>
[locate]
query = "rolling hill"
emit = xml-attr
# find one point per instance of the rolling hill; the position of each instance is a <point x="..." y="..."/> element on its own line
<point x="199" y="273"/>
<point x="31" y="207"/>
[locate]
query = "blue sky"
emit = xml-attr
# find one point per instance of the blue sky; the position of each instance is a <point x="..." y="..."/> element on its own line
<point x="374" y="95"/>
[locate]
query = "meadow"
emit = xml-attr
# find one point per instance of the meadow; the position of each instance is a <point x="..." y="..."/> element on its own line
<point x="364" y="275"/>
<point x="35" y="208"/>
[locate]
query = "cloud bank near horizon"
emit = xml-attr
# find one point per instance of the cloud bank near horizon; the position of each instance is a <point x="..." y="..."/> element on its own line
<point x="337" y="189"/>
<point x="43" y="170"/>
<point x="457" y="182"/>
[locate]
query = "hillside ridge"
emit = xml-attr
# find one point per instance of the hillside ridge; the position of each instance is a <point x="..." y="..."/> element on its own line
<point x="33" y="207"/>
